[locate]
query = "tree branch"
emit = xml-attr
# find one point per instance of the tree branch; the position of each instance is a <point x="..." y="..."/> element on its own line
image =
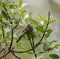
<point x="2" y="31"/>
<point x="1" y="50"/>
<point x="4" y="55"/>
<point x="31" y="43"/>
<point x="32" y="38"/>
<point x="15" y="55"/>
<point x="11" y="40"/>
<point x="44" y="31"/>
<point x="4" y="24"/>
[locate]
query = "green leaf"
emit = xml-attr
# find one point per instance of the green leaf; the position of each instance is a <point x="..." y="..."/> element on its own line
<point x="5" y="15"/>
<point x="0" y="27"/>
<point x="48" y="32"/>
<point x="57" y="46"/>
<point x="33" y="34"/>
<point x="46" y="47"/>
<point x="12" y="6"/>
<point x="20" y="3"/>
<point x="22" y="12"/>
<point x="17" y="21"/>
<point x="52" y="21"/>
<point x="23" y="5"/>
<point x="54" y="56"/>
<point x="3" y="4"/>
<point x="0" y="36"/>
<point x="42" y="18"/>
<point x="8" y="36"/>
<point x="20" y="46"/>
<point x="54" y="41"/>
<point x="1" y="16"/>
<point x="40" y="28"/>
<point x="47" y="57"/>
<point x="34" y="22"/>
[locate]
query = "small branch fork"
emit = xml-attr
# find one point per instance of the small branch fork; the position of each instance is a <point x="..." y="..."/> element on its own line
<point x="28" y="30"/>
<point x="3" y="50"/>
<point x="9" y="48"/>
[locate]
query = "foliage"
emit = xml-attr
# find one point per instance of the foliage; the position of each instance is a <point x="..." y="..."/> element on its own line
<point x="14" y="17"/>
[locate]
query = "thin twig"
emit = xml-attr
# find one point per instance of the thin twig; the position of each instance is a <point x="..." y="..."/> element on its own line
<point x="4" y="55"/>
<point x="41" y="52"/>
<point x="15" y="26"/>
<point x="4" y="24"/>
<point x="15" y="55"/>
<point x="12" y="37"/>
<point x="2" y="50"/>
<point x="10" y="43"/>
<point x="29" y="40"/>
<point x="5" y="8"/>
<point x="6" y="12"/>
<point x="31" y="44"/>
<point x="20" y="37"/>
<point x="44" y="31"/>
<point x="3" y="32"/>
<point x="11" y="40"/>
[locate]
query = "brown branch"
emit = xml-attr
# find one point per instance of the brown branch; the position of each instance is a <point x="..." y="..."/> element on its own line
<point x="32" y="38"/>
<point x="6" y="42"/>
<point x="41" y="52"/>
<point x="11" y="40"/>
<point x="2" y="31"/>
<point x="4" y="52"/>
<point x="4" y="55"/>
<point x="31" y="43"/>
<point x="4" y="24"/>
<point x="1" y="50"/>
<point x="44" y="31"/>
<point x="15" y="26"/>
<point x="6" y="12"/>
<point x="12" y="37"/>
<point x="5" y="8"/>
<point x="15" y="55"/>
<point x="20" y="37"/>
